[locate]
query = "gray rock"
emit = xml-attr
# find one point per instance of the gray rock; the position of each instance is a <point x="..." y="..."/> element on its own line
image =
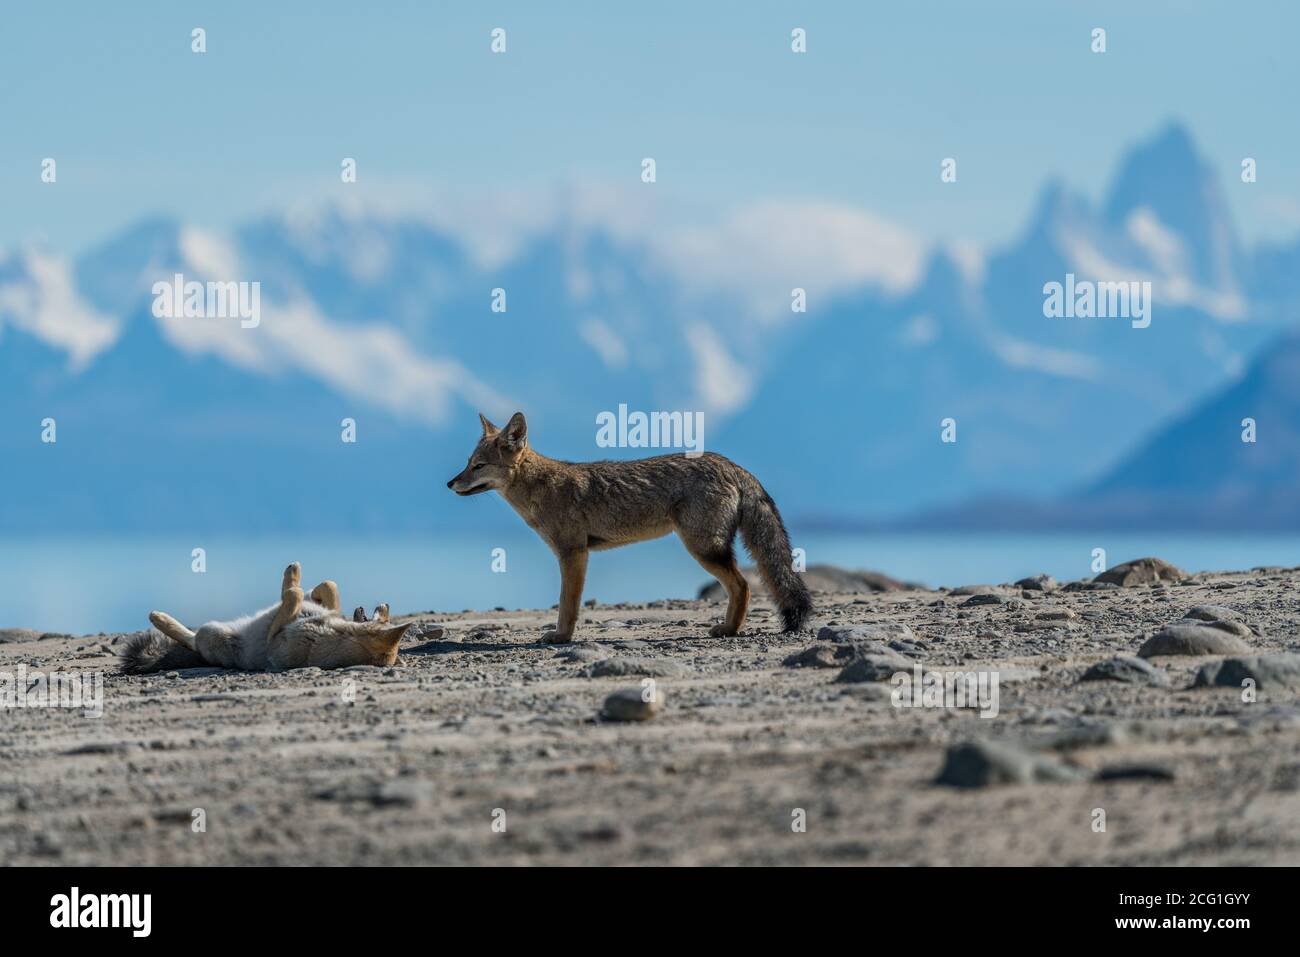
<point x="1280" y="670"/>
<point x="1089" y="736"/>
<point x="974" y="590"/>
<point x="867" y="691"/>
<point x="827" y="578"/>
<point x="979" y="764"/>
<point x="1135" y="772"/>
<point x="1057" y="614"/>
<point x="1214" y="613"/>
<point x="650" y="667"/>
<point x="103" y="747"/>
<point x="829" y="655"/>
<point x="403" y="792"/>
<point x="1028" y="627"/>
<point x="912" y="649"/>
<point x="1125" y="668"/>
<point x="1089" y="586"/>
<point x="1141" y="571"/>
<point x="819" y="656"/>
<point x="630" y="704"/>
<point x="1010" y="673"/>
<point x="983" y="598"/>
<point x="1230" y="627"/>
<point x="1037" y="583"/>
<point x="1192" y="639"/>
<point x="881" y="631"/>
<point x="583" y="652"/>
<point x="873" y="668"/>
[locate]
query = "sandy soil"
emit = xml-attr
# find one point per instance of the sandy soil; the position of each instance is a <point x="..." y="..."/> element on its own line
<point x="415" y="764"/>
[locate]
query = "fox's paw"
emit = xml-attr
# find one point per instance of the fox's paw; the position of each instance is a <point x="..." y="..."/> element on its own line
<point x="327" y="595"/>
<point x="359" y="614"/>
<point x="723" y="631"/>
<point x="553" y="637"/>
<point x="381" y="612"/>
<point x="292" y="577"/>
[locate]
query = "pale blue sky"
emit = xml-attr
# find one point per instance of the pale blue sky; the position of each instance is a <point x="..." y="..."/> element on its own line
<point x="140" y="125"/>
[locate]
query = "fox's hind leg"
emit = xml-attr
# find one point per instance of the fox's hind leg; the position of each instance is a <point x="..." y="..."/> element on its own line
<point x="290" y="600"/>
<point x="217" y="644"/>
<point x="704" y="529"/>
<point x="172" y="628"/>
<point x="713" y="549"/>
<point x="327" y="594"/>
<point x="722" y="566"/>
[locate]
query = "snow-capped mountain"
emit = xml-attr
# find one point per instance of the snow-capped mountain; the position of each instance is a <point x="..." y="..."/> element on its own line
<point x="1230" y="462"/>
<point x="166" y="422"/>
<point x="1041" y="405"/>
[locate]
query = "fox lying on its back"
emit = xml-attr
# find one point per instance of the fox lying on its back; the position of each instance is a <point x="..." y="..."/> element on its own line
<point x="296" y="633"/>
<point x="580" y="506"/>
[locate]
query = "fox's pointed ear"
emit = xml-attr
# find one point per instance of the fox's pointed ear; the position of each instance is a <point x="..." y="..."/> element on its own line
<point x="515" y="435"/>
<point x="391" y="636"/>
<point x="380" y="640"/>
<point x="488" y="427"/>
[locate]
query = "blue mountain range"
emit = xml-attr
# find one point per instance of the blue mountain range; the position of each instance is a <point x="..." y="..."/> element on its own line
<point x="198" y="425"/>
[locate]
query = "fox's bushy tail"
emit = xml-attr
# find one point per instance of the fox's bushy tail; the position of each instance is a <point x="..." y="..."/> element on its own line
<point x="766" y="539"/>
<point x="150" y="651"/>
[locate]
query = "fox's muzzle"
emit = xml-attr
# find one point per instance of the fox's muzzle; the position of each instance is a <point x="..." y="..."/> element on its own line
<point x="469" y="491"/>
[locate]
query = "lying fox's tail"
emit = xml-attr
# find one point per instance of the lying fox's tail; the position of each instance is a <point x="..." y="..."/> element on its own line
<point x="149" y="651"/>
<point x="765" y="536"/>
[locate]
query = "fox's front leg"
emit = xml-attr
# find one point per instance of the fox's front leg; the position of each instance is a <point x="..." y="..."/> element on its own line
<point x="326" y="594"/>
<point x="573" y="575"/>
<point x="290" y="600"/>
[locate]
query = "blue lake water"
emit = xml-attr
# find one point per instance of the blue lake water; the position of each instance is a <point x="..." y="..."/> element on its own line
<point x="110" y="584"/>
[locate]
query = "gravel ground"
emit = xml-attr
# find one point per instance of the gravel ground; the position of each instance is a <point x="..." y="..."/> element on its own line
<point x="482" y="746"/>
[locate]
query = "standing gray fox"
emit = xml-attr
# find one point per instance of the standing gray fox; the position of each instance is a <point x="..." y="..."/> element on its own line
<point x="577" y="507"/>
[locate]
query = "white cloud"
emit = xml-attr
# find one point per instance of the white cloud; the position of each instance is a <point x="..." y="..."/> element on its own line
<point x="723" y="384"/>
<point x="209" y="255"/>
<point x="363" y="248"/>
<point x="37" y="295"/>
<point x="612" y="350"/>
<point x="919" y="330"/>
<point x="373" y="362"/>
<point x="755" y="253"/>
<point x="764" y="250"/>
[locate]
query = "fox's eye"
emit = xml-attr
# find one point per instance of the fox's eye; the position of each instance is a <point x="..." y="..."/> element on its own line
<point x="479" y="466"/>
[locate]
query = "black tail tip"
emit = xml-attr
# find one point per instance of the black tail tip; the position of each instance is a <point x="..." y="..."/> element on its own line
<point x="142" y="653"/>
<point x="796" y="611"/>
<point x="150" y="651"/>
